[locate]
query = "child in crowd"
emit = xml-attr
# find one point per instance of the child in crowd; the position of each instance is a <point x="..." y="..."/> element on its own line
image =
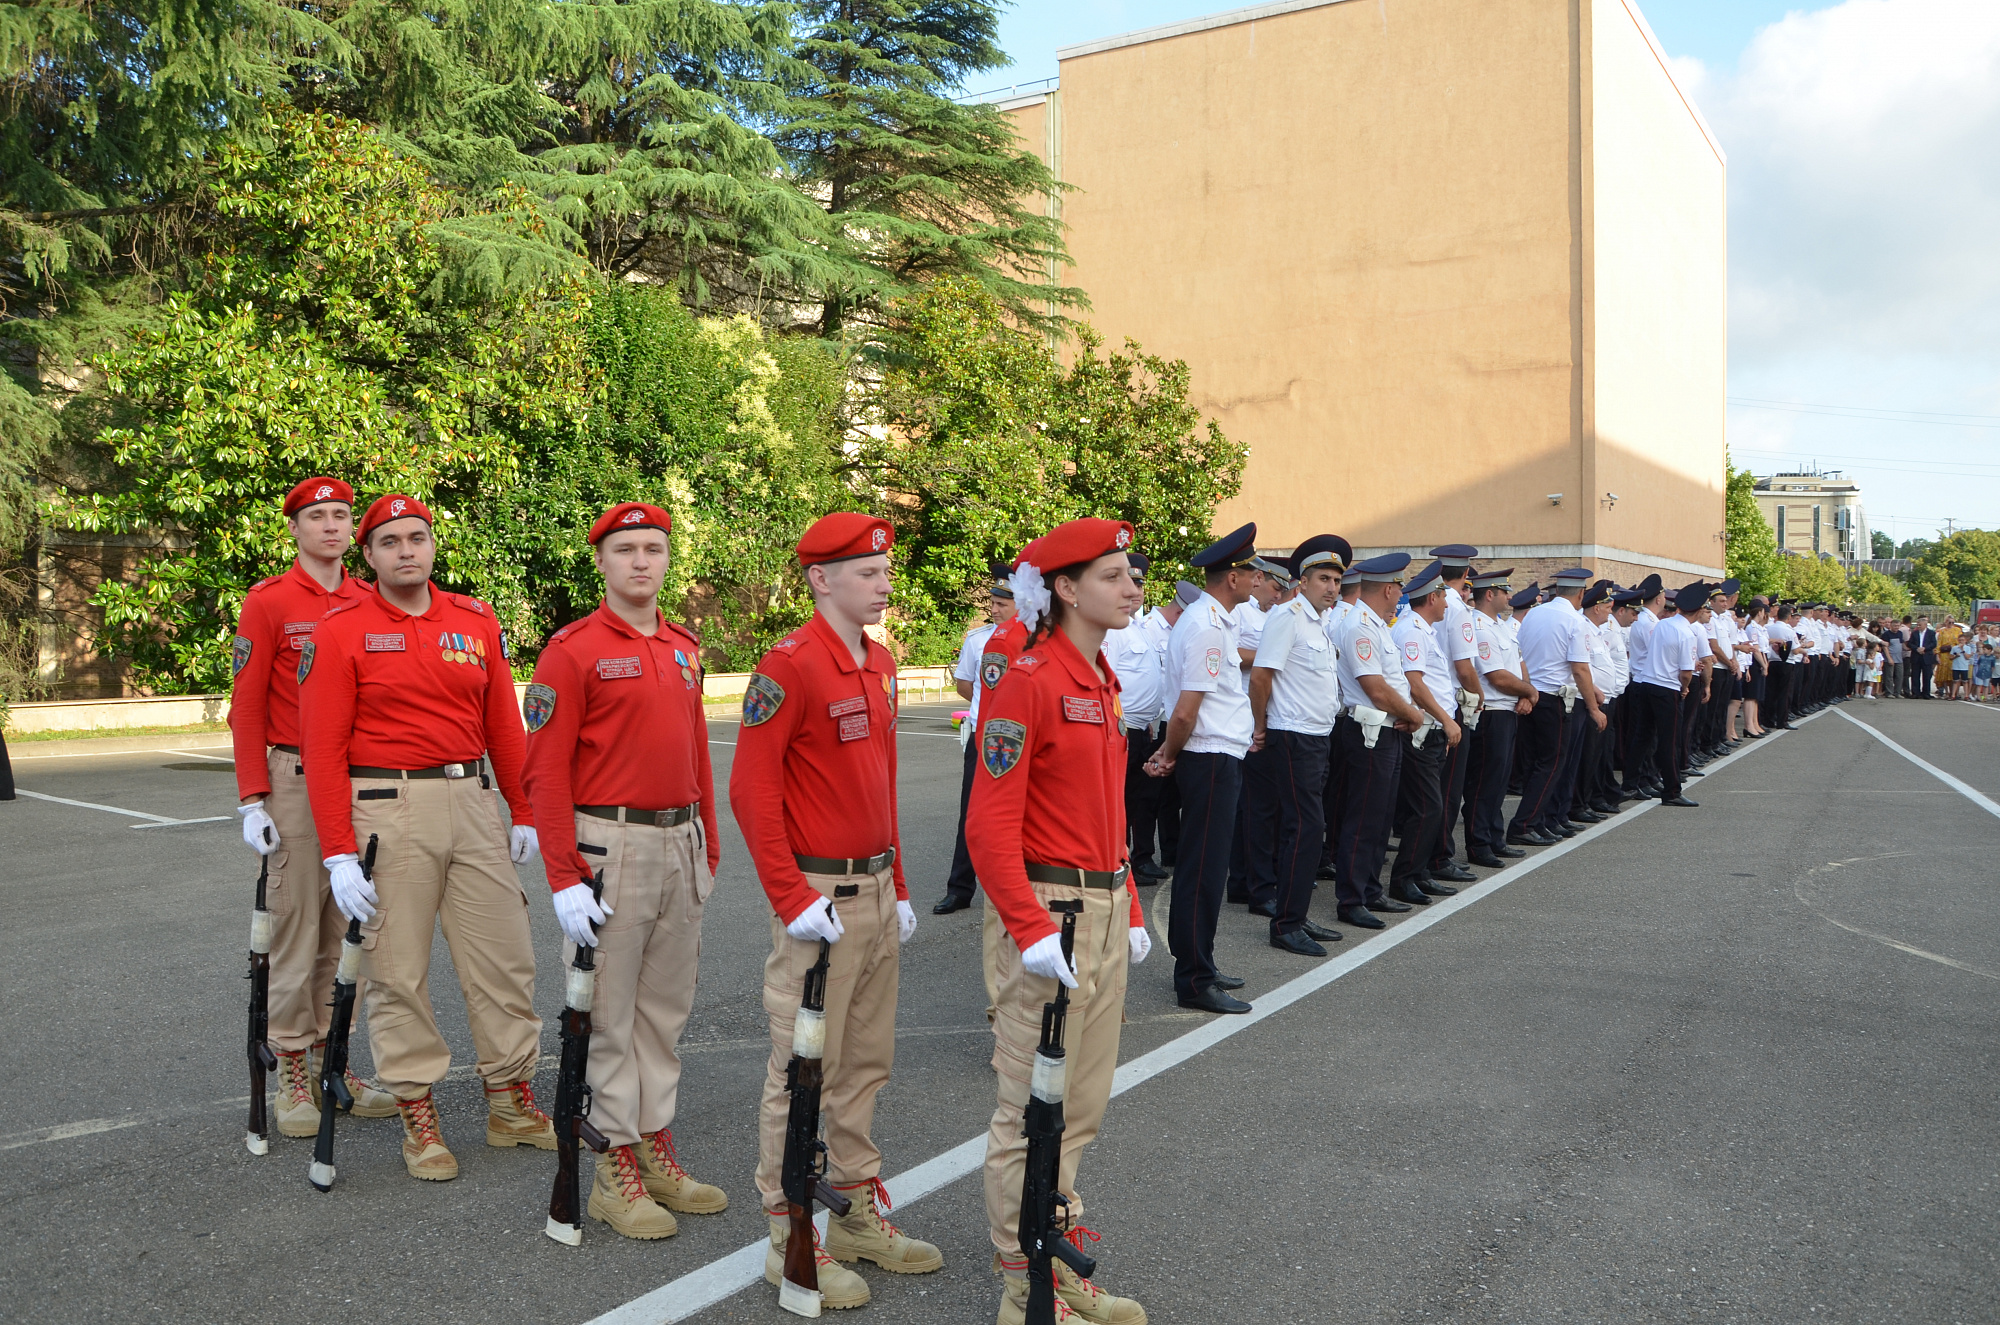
<point x="1871" y="687"/>
<point x="1982" y="672"/>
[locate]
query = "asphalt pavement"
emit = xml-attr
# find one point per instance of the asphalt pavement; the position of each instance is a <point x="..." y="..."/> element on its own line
<point x="1732" y="1063"/>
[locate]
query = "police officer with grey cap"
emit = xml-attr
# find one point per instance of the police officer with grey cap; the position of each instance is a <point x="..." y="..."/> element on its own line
<point x="1420" y="793"/>
<point x="1209" y="730"/>
<point x="1370" y="738"/>
<point x="1253" y="871"/>
<point x="1456" y="632"/>
<point x="999" y="611"/>
<point x="1504" y="691"/>
<point x="1557" y="656"/>
<point x="1137" y="653"/>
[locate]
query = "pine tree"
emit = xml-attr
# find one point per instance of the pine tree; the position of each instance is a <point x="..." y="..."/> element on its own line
<point x="915" y="185"/>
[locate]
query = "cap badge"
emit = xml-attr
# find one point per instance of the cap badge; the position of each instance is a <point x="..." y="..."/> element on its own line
<point x="322" y="492"/>
<point x="632" y="517"/>
<point x="1124" y="539"/>
<point x="398" y="506"/>
<point x="879" y="539"/>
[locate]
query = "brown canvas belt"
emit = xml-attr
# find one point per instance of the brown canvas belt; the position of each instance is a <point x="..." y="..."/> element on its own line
<point x="1077" y="878"/>
<point x="452" y="771"/>
<point x="829" y="865"/>
<point x="625" y="814"/>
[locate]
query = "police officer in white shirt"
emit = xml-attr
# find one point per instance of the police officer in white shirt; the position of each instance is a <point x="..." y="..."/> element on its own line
<point x="1661" y="680"/>
<point x="1455" y="633"/>
<point x="1208" y="733"/>
<point x="1608" y="797"/>
<point x="1137" y="653"/>
<point x="1584" y="796"/>
<point x="1433" y="689"/>
<point x="1294" y="693"/>
<point x="1331" y="798"/>
<point x="999" y="611"/>
<point x="1253" y="862"/>
<point x="1653" y="605"/>
<point x="1506" y="694"/>
<point x="1370" y="737"/>
<point x="1554" y="651"/>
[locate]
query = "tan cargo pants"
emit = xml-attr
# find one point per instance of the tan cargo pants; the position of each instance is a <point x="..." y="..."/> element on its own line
<point x="306" y="925"/>
<point x="862" y="973"/>
<point x="443" y="856"/>
<point x="656" y="881"/>
<point x="1090" y="1040"/>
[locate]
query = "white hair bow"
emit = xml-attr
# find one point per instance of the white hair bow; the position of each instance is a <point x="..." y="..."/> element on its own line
<point x="1031" y="596"/>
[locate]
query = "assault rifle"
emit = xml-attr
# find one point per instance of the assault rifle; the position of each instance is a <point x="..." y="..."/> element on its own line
<point x="804" y="1174"/>
<point x="1044" y="1209"/>
<point x="334" y="1097"/>
<point x="262" y="1060"/>
<point x="573" y="1095"/>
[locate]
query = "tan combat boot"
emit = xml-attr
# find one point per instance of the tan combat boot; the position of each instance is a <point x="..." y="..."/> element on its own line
<point x="424" y="1154"/>
<point x="839" y="1287"/>
<point x="1086" y="1299"/>
<point x="513" y="1120"/>
<point x="863" y="1234"/>
<point x="669" y="1184"/>
<point x="1014" y="1298"/>
<point x="297" y="1102"/>
<point x="370" y="1100"/>
<point x="618" y="1198"/>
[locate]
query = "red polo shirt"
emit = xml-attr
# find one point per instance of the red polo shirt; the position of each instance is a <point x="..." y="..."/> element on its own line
<point x="278" y="618"/>
<point x="815" y="767"/>
<point x="615" y="718"/>
<point x="383" y="689"/>
<point x="1050" y="786"/>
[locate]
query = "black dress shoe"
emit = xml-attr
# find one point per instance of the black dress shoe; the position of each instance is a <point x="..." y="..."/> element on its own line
<point x="1237" y="899"/>
<point x="1604" y="808"/>
<point x="1508" y="853"/>
<point x="1692" y="773"/>
<point x="1140" y="880"/>
<point x="1585" y="817"/>
<point x="1228" y="982"/>
<point x="1324" y="872"/>
<point x="1154" y="872"/>
<point x="1358" y="917"/>
<point x="951" y="902"/>
<point x="1432" y="888"/>
<point x="1453" y="872"/>
<point x="1321" y="932"/>
<point x="1408" y="892"/>
<point x="1487" y="862"/>
<point x="1268" y="910"/>
<point x="1564" y="828"/>
<point x="1681" y="801"/>
<point x="1534" y="837"/>
<point x="1212" y="999"/>
<point x="1296" y="941"/>
<point x="1388" y="906"/>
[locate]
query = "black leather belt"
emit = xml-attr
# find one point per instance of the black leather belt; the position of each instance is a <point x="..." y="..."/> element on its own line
<point x="828" y="865"/>
<point x="1077" y="878"/>
<point x="625" y="814"/>
<point x="288" y="749"/>
<point x="451" y="771"/>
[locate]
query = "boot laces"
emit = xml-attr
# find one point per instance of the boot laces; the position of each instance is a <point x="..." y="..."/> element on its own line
<point x="421" y="1117"/>
<point x="629" y="1180"/>
<point x="294" y="1077"/>
<point x="523" y="1096"/>
<point x="878" y="1201"/>
<point x="1077" y="1234"/>
<point x="663" y="1153"/>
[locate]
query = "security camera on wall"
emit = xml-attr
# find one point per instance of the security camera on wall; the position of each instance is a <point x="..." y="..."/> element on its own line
<point x="1555" y="499"/>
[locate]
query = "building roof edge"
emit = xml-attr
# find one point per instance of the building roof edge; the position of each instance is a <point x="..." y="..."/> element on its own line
<point x="1228" y="18"/>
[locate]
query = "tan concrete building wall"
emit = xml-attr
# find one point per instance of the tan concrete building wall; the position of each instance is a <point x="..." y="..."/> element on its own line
<point x="1363" y="226"/>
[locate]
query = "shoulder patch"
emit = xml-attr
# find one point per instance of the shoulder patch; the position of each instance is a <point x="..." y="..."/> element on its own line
<point x="992" y="667"/>
<point x="538" y="706"/>
<point x="1001" y="741"/>
<point x="239" y="655"/>
<point x="761" y="699"/>
<point x="305" y="662"/>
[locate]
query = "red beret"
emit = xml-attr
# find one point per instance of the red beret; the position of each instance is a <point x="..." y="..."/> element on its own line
<point x="393" y="506"/>
<point x="313" y="491"/>
<point x="630" y="515"/>
<point x="1076" y="542"/>
<point x="844" y="536"/>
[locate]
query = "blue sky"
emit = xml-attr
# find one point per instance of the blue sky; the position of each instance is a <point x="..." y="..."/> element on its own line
<point x="1864" y="191"/>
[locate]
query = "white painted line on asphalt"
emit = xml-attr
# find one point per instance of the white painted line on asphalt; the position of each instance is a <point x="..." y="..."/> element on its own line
<point x="1984" y="802"/>
<point x="176" y="823"/>
<point x="728" y="1275"/>
<point x="196" y="754"/>
<point x="1983" y="708"/>
<point x="93" y="805"/>
<point x="19" y="758"/>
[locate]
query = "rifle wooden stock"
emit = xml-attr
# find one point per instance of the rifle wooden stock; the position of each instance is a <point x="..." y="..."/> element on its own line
<point x="573" y="1095"/>
<point x="258" y="1134"/>
<point x="334" y="1097"/>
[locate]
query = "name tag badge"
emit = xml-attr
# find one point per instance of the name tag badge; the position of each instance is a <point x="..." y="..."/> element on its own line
<point x="385" y="643"/>
<point x="841" y="708"/>
<point x="854" y="727"/>
<point x="1083" y="710"/>
<point x="617" y="669"/>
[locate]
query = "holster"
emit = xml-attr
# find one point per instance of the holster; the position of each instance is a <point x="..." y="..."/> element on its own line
<point x="1470" y="702"/>
<point x="1372" y="722"/>
<point x="1570" y="694"/>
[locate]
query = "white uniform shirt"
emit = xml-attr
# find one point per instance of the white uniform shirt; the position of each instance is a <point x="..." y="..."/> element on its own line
<point x="1136" y="653"/>
<point x="1602" y="672"/>
<point x="1201" y="656"/>
<point x="1551" y="639"/>
<point x="1640" y="636"/>
<point x="1621" y="663"/>
<point x="1675" y="644"/>
<point x="1304" y="691"/>
<point x="1417" y="644"/>
<point x="1494" y="651"/>
<point x="1368" y="649"/>
<point x="1249" y="625"/>
<point x="968" y="665"/>
<point x="1456" y="633"/>
<point x="1334" y="620"/>
<point x="1759" y="636"/>
<point x="1782" y="633"/>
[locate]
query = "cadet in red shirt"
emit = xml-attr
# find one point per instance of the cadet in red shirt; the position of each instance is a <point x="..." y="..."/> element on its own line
<point x="1047" y="831"/>
<point x="404" y="692"/>
<point x="619" y="778"/>
<point x="814" y="790"/>
<point x="279" y="615"/>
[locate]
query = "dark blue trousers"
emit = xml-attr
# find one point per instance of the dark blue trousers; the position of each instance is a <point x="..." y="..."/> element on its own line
<point x="1298" y="772"/>
<point x="962" y="880"/>
<point x="1253" y="875"/>
<point x="1546" y="738"/>
<point x="1488" y="765"/>
<point x="1370" y="779"/>
<point x="1209" y="785"/>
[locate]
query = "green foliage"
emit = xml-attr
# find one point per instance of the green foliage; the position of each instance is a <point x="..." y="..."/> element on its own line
<point x="1810" y="579"/>
<point x="989" y="442"/>
<point x="915" y="185"/>
<point x="1912" y="547"/>
<point x="1955" y="570"/>
<point x="1751" y="544"/>
<point x="325" y="334"/>
<point x="1867" y="585"/>
<point x="1880" y="546"/>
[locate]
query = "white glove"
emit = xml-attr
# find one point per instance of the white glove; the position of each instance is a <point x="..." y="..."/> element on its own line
<point x="526" y="842"/>
<point x="906" y="922"/>
<point x="259" y="833"/>
<point x="577" y="911"/>
<point x="352" y="892"/>
<point x="1045" y="957"/>
<point x="818" y="921"/>
<point x="1142" y="943"/>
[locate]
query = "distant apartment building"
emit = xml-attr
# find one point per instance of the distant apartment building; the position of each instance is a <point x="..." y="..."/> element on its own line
<point x="1816" y="512"/>
<point x="1454" y="269"/>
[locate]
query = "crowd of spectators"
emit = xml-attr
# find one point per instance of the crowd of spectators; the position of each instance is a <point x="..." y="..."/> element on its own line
<point x="1911" y="659"/>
